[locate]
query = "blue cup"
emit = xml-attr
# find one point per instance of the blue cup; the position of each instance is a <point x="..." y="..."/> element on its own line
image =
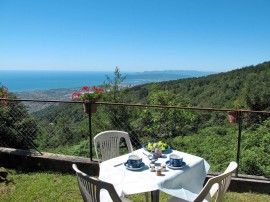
<point x="134" y="161"/>
<point x="175" y="160"/>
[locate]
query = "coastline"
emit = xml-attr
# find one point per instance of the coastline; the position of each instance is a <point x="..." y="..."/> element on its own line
<point x="63" y="94"/>
<point x="31" y="81"/>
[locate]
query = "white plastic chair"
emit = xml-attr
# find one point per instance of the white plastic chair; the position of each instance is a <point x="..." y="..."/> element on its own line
<point x="94" y="190"/>
<point x="108" y="144"/>
<point x="217" y="184"/>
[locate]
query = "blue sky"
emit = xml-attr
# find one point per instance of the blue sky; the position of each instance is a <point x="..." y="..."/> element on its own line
<point x="135" y="35"/>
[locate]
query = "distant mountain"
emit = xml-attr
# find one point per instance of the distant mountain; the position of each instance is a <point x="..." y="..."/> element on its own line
<point x="166" y="75"/>
<point x="190" y="73"/>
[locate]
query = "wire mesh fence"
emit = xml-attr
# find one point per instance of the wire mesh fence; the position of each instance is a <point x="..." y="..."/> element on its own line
<point x="63" y="128"/>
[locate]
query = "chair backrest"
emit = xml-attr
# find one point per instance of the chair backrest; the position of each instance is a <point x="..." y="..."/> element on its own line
<point x="217" y="184"/>
<point x="107" y="143"/>
<point x="90" y="187"/>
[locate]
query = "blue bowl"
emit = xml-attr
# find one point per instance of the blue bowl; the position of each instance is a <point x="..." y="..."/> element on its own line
<point x="144" y="146"/>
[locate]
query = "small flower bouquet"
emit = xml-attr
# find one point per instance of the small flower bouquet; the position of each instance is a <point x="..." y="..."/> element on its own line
<point x="89" y="95"/>
<point x="94" y="93"/>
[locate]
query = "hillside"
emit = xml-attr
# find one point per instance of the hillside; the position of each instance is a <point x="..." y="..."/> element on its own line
<point x="247" y="87"/>
<point x="166" y="75"/>
<point x="63" y="128"/>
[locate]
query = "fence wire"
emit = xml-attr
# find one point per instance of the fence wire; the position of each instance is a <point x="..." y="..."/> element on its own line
<point x="63" y="128"/>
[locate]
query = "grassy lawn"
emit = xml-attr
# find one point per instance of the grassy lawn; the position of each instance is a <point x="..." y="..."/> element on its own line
<point x="59" y="187"/>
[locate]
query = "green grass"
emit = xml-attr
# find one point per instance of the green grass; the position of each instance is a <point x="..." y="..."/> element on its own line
<point x="60" y="187"/>
<point x="40" y="187"/>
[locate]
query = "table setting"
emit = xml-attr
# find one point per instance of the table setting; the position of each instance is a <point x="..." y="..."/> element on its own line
<point x="144" y="170"/>
<point x="163" y="150"/>
<point x="159" y="158"/>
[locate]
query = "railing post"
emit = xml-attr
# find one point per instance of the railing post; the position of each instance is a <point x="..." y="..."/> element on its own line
<point x="90" y="129"/>
<point x="239" y="117"/>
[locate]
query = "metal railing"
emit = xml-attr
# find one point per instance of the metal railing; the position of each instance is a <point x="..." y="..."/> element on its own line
<point x="62" y="127"/>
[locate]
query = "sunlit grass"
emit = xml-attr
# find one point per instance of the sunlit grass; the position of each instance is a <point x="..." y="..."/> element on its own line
<point x="40" y="187"/>
<point x="62" y="187"/>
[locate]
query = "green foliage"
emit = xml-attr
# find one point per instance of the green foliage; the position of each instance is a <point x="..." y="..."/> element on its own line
<point x="203" y="133"/>
<point x="164" y="123"/>
<point x="256" y="151"/>
<point x="81" y="149"/>
<point x="14" y="122"/>
<point x="90" y="93"/>
<point x="54" y="132"/>
<point x="249" y="85"/>
<point x="113" y="87"/>
<point x="217" y="149"/>
<point x="118" y="115"/>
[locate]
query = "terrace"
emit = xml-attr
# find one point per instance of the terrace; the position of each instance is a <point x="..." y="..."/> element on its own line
<point x="50" y="135"/>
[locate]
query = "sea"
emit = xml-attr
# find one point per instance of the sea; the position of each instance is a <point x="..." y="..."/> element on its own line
<point x="59" y="85"/>
<point x="21" y="81"/>
<point x="45" y="80"/>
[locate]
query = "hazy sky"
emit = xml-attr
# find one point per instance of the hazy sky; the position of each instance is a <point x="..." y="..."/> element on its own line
<point x="135" y="35"/>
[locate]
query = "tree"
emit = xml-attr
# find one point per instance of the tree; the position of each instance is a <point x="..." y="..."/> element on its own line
<point x="119" y="116"/>
<point x="114" y="87"/>
<point x="115" y="94"/>
<point x="166" y="123"/>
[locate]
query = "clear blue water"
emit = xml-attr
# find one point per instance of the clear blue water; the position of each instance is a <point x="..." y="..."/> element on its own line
<point x="44" y="80"/>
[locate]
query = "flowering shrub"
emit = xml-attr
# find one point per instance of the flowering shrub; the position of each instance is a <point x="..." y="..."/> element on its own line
<point x="88" y="93"/>
<point x="3" y="94"/>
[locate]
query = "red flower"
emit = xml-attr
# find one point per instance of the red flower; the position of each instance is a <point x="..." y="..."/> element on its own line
<point x="100" y="90"/>
<point x="92" y="93"/>
<point x="85" y="88"/>
<point x="75" y="96"/>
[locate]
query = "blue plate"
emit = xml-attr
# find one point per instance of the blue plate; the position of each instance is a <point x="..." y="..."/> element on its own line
<point x="175" y="167"/>
<point x="129" y="167"/>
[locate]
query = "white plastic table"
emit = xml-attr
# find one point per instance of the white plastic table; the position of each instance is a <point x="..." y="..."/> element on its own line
<point x="184" y="183"/>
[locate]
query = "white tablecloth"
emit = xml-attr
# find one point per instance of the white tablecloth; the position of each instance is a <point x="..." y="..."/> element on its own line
<point x="183" y="183"/>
